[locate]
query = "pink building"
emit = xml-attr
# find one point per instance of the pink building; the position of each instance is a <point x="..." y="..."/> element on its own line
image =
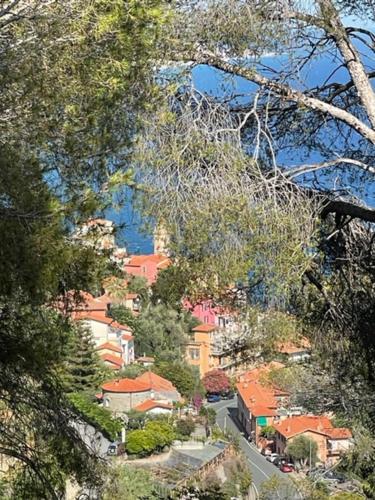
<point x="146" y="266"/>
<point x="209" y="313"/>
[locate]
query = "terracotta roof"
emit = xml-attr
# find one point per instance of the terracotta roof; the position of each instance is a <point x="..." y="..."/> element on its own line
<point x="149" y="404"/>
<point x="115" y="360"/>
<point x="100" y="317"/>
<point x="297" y="425"/>
<point x="290" y="347"/>
<point x="262" y="411"/>
<point x="204" y="328"/>
<point x="259" y="371"/>
<point x="338" y="433"/>
<point x="130" y="296"/>
<point x="139" y="260"/>
<point x="156" y="382"/>
<point x="125" y="385"/>
<point x="127" y="337"/>
<point x="260" y="400"/>
<point x="109" y="346"/>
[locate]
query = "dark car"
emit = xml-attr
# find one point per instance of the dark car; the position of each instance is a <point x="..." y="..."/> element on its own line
<point x="116" y="449"/>
<point x="227" y="395"/>
<point x="279" y="461"/>
<point x="213" y="398"/>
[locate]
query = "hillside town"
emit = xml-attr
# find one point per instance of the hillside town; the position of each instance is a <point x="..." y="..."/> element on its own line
<point x="187" y="249"/>
<point x="262" y="413"/>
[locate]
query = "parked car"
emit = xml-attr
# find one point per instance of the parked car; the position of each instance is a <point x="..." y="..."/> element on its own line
<point x="286" y="467"/>
<point x="271" y="457"/>
<point x="333" y="477"/>
<point x="278" y="461"/>
<point x="213" y="398"/>
<point x="227" y="395"/>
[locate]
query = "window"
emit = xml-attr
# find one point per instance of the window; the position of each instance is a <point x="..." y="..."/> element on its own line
<point x="194" y="354"/>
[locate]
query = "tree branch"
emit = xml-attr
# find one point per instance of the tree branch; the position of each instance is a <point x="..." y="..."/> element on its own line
<point x="284" y="91"/>
<point x="305" y="169"/>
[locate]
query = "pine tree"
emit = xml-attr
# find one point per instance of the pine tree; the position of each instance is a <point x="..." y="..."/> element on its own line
<point x="83" y="372"/>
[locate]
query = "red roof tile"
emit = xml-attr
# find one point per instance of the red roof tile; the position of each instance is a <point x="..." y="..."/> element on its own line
<point x="298" y="424"/>
<point x="155" y="382"/>
<point x="100" y="317"/>
<point x="139" y="260"/>
<point x="204" y="328"/>
<point x="149" y="404"/>
<point x="338" y="433"/>
<point x="126" y="385"/>
<point x="115" y="360"/>
<point x="258" y="398"/>
<point x="109" y="346"/>
<point x="127" y="337"/>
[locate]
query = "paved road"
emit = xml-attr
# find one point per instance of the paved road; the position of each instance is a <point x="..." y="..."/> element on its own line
<point x="261" y="469"/>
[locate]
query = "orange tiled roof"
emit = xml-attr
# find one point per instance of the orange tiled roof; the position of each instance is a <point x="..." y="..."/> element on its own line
<point x="204" y="328"/>
<point x="156" y="382"/>
<point x="139" y="260"/>
<point x="126" y="385"/>
<point x="290" y="347"/>
<point x="149" y="404"/>
<point x="256" y="373"/>
<point x="109" y="346"/>
<point x="258" y="398"/>
<point x="338" y="433"/>
<point x="101" y="318"/>
<point x="127" y="337"/>
<point x="297" y="425"/>
<point x="115" y="360"/>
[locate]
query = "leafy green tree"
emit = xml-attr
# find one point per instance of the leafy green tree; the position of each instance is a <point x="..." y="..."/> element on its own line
<point x="163" y="432"/>
<point x="137" y="419"/>
<point x="183" y="377"/>
<point x="99" y="417"/>
<point x="162" y="332"/>
<point x="268" y="431"/>
<point x="238" y="480"/>
<point x="124" y="316"/>
<point x="303" y="450"/>
<point x="170" y="288"/>
<point x="139" y="285"/>
<point x="129" y="483"/>
<point x="68" y="76"/>
<point x="140" y="442"/>
<point x="132" y="371"/>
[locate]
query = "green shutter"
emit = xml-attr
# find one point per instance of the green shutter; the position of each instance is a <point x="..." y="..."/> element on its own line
<point x="262" y="421"/>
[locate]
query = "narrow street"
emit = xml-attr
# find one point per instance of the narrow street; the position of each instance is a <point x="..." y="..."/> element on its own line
<point x="261" y="469"/>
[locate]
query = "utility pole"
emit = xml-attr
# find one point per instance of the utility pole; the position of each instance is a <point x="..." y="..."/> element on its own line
<point x="309" y="455"/>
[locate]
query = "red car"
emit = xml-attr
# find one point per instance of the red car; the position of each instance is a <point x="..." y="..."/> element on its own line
<point x="286" y="468"/>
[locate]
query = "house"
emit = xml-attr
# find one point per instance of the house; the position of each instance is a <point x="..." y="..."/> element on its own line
<point x="258" y="404"/>
<point x="111" y="355"/>
<point x="207" y="349"/>
<point x="145" y="393"/>
<point x="214" y="347"/>
<point x="208" y="313"/>
<point x="146" y="266"/>
<point x="332" y="441"/>
<point x="116" y="294"/>
<point x="296" y="351"/>
<point x="154" y="407"/>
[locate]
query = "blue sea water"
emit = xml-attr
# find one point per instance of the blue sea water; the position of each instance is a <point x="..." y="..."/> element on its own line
<point x="216" y="83"/>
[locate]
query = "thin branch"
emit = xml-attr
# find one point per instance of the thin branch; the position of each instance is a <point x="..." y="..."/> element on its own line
<point x="305" y="169"/>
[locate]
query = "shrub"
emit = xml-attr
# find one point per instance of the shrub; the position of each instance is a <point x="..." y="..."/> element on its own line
<point x="140" y="442"/>
<point x="162" y="433"/>
<point x="185" y="427"/>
